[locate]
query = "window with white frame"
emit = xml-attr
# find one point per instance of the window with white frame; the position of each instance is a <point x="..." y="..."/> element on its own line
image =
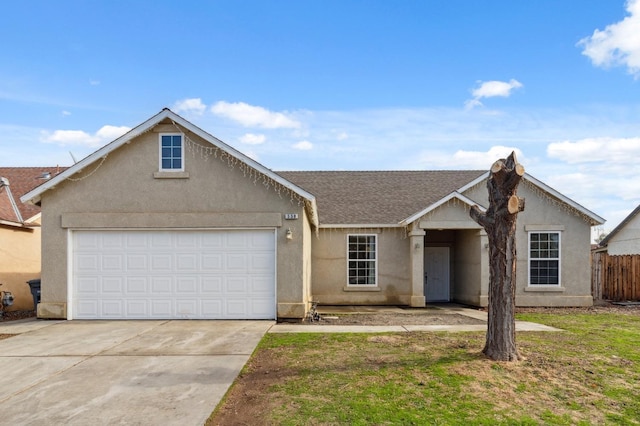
<point x="544" y="258"/>
<point x="171" y="153"/>
<point x="362" y="254"/>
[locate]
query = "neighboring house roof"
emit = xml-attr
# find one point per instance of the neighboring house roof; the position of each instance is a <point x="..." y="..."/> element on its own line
<point x="620" y="227"/>
<point x="20" y="181"/>
<point x="166" y="115"/>
<point x="378" y="197"/>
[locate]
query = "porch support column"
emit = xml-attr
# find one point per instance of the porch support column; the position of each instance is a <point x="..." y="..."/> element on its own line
<point x="416" y="256"/>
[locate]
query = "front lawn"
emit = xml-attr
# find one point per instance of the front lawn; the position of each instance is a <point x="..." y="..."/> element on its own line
<point x="588" y="374"/>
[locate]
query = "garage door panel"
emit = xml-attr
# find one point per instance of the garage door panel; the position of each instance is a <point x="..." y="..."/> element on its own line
<point x="137" y="262"/>
<point x="187" y="285"/>
<point x="187" y="308"/>
<point x="211" y="286"/>
<point x="113" y="285"/>
<point x="212" y="262"/>
<point x="111" y="309"/>
<point x="212" y="308"/>
<point x="136" y="285"/>
<point x="162" y="308"/>
<point x="87" y="262"/>
<point x="162" y="262"/>
<point x="161" y="285"/>
<point x="138" y="309"/>
<point x="174" y="274"/>
<point x="187" y="262"/>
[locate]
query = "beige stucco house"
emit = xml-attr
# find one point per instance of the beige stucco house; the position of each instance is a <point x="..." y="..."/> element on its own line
<point x="20" y="232"/>
<point x="167" y="221"/>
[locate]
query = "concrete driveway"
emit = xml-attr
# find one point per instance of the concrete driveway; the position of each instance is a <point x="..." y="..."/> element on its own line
<point x="120" y="372"/>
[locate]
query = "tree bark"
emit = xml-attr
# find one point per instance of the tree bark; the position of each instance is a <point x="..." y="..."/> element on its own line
<point x="499" y="221"/>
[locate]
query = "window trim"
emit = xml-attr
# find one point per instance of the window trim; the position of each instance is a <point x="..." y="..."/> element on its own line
<point x="182" y="158"/>
<point x="559" y="258"/>
<point x="375" y="263"/>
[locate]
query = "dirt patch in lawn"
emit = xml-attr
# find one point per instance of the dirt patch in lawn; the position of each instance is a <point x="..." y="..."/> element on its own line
<point x="396" y="318"/>
<point x="254" y="393"/>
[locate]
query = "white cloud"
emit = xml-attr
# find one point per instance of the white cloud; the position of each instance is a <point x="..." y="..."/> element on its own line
<point x="342" y="136"/>
<point x="591" y="150"/>
<point x="82" y="138"/>
<point x="303" y="146"/>
<point x="192" y="105"/>
<point x="618" y="44"/>
<point x="254" y="116"/>
<point x="66" y="113"/>
<point x="252" y="138"/>
<point x="94" y="82"/>
<point x="490" y="89"/>
<point x="463" y="159"/>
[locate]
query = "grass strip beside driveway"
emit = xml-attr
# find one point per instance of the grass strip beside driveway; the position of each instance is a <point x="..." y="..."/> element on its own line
<point x="589" y="374"/>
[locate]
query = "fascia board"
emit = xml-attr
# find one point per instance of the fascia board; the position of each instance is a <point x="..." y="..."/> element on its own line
<point x="33" y="196"/>
<point x="451" y="196"/>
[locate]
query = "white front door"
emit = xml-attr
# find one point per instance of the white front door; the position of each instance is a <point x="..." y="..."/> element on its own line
<point x="436" y="274"/>
<point x="142" y="274"/>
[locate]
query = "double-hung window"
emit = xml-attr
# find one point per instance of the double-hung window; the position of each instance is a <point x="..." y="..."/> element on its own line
<point x="362" y="254"/>
<point x="171" y="153"/>
<point x="544" y="258"/>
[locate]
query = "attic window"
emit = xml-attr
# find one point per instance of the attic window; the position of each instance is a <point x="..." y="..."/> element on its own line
<point x="171" y="153"/>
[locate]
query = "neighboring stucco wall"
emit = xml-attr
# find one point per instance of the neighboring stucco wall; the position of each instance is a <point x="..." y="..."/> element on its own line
<point x="330" y="269"/>
<point x="123" y="192"/>
<point x="19" y="262"/>
<point x="627" y="240"/>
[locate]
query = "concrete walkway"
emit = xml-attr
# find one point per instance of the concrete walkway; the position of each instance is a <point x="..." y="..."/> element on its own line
<point x="120" y="372"/>
<point x="445" y="309"/>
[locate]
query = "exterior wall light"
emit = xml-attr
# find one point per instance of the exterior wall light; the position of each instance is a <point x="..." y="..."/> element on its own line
<point x="289" y="234"/>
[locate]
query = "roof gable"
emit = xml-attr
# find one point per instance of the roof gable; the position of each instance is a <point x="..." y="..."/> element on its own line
<point x="272" y="178"/>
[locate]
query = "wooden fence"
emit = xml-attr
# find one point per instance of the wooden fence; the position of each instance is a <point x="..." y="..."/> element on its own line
<point x="615" y="278"/>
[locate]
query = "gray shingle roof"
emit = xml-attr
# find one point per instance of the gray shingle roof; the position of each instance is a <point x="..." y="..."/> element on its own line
<point x="377" y="197"/>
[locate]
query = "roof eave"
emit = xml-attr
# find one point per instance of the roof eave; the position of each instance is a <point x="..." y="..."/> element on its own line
<point x="594" y="218"/>
<point x="359" y="225"/>
<point x="34" y="196"/>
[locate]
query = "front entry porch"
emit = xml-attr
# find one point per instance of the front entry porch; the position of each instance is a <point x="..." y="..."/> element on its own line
<point x="449" y="265"/>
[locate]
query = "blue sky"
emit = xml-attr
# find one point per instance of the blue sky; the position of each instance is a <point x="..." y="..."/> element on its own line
<point x="340" y="85"/>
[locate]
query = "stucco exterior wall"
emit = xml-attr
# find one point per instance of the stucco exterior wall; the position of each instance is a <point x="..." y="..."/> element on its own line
<point x="627" y="240"/>
<point x="213" y="193"/>
<point x="540" y="215"/>
<point x="329" y="275"/>
<point x="19" y="262"/>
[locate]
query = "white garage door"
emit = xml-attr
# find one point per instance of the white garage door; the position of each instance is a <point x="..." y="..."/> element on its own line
<point x="173" y="274"/>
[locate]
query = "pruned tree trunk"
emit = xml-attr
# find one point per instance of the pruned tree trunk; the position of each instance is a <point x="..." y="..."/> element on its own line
<point x="499" y="221"/>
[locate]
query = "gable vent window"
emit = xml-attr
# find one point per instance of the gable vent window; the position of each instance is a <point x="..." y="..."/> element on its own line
<point x="362" y="254"/>
<point x="171" y="153"/>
